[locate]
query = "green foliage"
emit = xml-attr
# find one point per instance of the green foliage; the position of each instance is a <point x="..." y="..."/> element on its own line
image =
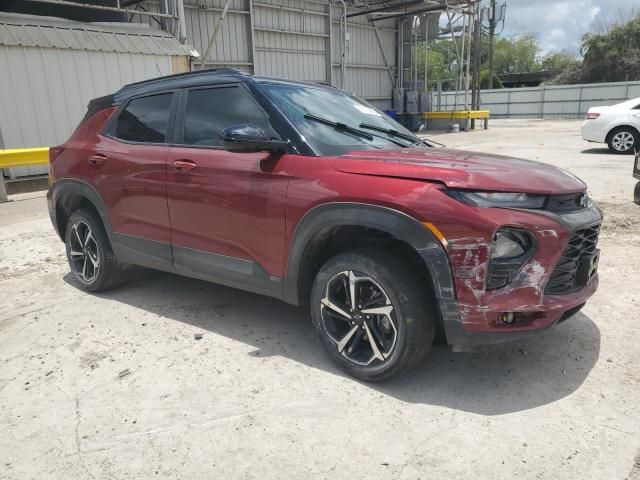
<point x="608" y="57"/>
<point x="517" y="54"/>
<point x="559" y="61"/>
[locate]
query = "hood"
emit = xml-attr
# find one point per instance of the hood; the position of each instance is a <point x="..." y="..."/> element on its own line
<point x="461" y="169"/>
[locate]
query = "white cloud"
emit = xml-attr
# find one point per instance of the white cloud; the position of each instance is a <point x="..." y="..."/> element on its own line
<point x="559" y="24"/>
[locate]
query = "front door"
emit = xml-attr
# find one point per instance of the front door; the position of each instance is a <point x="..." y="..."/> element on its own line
<point x="227" y="210"/>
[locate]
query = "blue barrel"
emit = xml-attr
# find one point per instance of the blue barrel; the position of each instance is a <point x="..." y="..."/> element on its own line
<point x="392" y="114"/>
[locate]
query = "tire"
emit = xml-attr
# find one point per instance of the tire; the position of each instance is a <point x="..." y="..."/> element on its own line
<point x="89" y="253"/>
<point x="636" y="194"/>
<point x="623" y="140"/>
<point x="403" y="334"/>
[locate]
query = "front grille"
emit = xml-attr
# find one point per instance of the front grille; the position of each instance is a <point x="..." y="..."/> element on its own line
<point x="566" y="203"/>
<point x="581" y="248"/>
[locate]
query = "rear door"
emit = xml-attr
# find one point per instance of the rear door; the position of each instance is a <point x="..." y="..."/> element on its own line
<point x="227" y="209"/>
<point x="132" y="174"/>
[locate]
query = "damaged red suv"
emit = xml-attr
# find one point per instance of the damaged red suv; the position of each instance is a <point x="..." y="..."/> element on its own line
<point x="310" y="195"/>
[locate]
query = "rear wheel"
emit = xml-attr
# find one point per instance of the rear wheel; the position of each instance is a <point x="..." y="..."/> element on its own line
<point x="636" y="194"/>
<point x="372" y="313"/>
<point x="91" y="259"/>
<point x="623" y="140"/>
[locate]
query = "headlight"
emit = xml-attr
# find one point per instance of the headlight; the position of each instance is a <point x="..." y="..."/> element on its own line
<point x="510" y="250"/>
<point x="499" y="199"/>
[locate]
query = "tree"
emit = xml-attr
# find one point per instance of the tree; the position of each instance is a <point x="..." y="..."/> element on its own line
<point x="559" y="60"/>
<point x="613" y="56"/>
<point x="517" y="54"/>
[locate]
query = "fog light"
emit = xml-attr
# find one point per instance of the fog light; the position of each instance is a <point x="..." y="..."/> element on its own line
<point x="510" y="250"/>
<point x="506" y="318"/>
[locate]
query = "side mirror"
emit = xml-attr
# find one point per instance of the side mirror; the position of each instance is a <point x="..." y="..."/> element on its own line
<point x="250" y="138"/>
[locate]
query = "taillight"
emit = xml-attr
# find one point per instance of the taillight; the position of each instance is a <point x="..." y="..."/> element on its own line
<point x="592" y="115"/>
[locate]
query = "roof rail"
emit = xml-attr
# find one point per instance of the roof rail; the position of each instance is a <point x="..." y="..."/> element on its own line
<point x="208" y="71"/>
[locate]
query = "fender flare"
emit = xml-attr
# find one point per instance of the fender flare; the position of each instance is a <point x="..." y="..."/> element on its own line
<point x="394" y="222"/>
<point x="64" y="187"/>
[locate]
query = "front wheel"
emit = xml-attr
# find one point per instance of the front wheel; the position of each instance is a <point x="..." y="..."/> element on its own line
<point x="623" y="140"/>
<point x="373" y="314"/>
<point x="636" y="194"/>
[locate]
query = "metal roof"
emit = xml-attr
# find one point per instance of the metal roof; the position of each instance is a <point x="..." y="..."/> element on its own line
<point x="49" y="32"/>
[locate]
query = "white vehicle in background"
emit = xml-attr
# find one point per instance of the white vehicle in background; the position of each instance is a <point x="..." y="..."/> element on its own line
<point x="617" y="125"/>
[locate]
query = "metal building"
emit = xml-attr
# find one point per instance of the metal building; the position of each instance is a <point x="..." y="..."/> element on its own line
<point x="362" y="46"/>
<point x="51" y="68"/>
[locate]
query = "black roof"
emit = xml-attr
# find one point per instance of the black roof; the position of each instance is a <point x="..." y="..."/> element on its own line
<point x="191" y="79"/>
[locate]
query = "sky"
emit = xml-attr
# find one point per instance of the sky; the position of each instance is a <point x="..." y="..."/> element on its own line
<point x="560" y="24"/>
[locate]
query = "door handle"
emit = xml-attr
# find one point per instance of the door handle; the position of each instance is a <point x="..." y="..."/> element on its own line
<point x="97" y="159"/>
<point x="184" y="165"/>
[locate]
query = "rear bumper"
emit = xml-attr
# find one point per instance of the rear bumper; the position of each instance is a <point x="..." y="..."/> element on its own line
<point x="593" y="132"/>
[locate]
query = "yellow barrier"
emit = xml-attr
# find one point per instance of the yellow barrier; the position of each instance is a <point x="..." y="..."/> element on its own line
<point x="24" y="157"/>
<point x="460" y="114"/>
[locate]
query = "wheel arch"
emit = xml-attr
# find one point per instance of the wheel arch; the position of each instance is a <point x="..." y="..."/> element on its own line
<point x="394" y="223"/>
<point x="67" y="196"/>
<point x="618" y="127"/>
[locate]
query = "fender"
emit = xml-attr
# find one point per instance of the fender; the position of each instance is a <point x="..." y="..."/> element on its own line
<point x="393" y="222"/>
<point x="623" y="124"/>
<point x="63" y="187"/>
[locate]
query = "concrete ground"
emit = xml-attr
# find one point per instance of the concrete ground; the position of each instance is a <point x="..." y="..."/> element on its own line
<point x="116" y="386"/>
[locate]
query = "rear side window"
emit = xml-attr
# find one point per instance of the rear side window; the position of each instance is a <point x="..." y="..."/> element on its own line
<point x="211" y="110"/>
<point x="145" y="119"/>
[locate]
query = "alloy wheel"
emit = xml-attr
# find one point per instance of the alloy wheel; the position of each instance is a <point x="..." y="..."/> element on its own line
<point x="84" y="252"/>
<point x="623" y="141"/>
<point x="358" y="316"/>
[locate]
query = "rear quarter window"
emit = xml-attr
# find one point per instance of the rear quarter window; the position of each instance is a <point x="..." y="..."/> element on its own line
<point x="145" y="119"/>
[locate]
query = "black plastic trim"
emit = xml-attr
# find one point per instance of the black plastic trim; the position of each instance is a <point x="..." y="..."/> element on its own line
<point x="393" y="222"/>
<point x="143" y="252"/>
<point x="60" y="188"/>
<point x="230" y="271"/>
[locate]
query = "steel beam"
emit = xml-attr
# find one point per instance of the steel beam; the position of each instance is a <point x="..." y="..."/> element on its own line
<point x="67" y="3"/>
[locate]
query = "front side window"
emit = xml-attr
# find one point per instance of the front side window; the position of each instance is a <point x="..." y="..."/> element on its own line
<point x="335" y="122"/>
<point x="145" y="119"/>
<point x="211" y="110"/>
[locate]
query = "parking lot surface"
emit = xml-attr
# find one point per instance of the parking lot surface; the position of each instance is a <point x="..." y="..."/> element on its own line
<point x="117" y="386"/>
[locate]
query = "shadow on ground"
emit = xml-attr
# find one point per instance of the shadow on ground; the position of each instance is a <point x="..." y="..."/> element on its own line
<point x="604" y="151"/>
<point x="489" y="380"/>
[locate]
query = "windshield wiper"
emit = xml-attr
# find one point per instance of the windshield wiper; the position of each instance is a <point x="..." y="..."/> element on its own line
<point x="395" y="133"/>
<point x="391" y="131"/>
<point x="341" y="127"/>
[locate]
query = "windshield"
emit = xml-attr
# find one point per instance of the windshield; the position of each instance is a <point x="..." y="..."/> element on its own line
<point x="335" y="122"/>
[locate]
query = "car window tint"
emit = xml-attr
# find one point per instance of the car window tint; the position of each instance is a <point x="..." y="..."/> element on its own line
<point x="637" y="107"/>
<point x="145" y="119"/>
<point x="211" y="110"/>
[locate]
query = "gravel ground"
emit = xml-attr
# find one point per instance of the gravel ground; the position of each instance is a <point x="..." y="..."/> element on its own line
<point x="117" y="386"/>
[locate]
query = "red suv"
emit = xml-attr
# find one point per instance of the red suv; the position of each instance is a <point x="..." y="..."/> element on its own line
<point x="308" y="194"/>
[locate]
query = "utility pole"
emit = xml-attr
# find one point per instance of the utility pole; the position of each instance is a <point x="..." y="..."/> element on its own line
<point x="495" y="16"/>
<point x="492" y="33"/>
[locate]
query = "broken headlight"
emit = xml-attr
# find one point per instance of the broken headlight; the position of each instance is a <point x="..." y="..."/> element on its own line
<point x="499" y="199"/>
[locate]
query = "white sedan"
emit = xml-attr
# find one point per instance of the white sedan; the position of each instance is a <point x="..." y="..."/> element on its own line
<point x="616" y="125"/>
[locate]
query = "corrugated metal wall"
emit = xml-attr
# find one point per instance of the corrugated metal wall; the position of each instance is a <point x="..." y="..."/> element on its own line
<point x="45" y="92"/>
<point x="294" y="39"/>
<point x="562" y="101"/>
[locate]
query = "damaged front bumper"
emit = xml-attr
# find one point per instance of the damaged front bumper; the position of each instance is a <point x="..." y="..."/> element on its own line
<point x="473" y="315"/>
